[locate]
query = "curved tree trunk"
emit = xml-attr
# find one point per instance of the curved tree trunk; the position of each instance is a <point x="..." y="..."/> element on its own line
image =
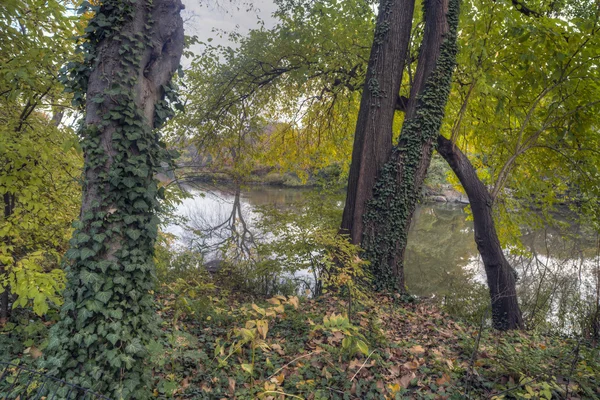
<point x="132" y="51"/>
<point x="501" y="281"/>
<point x="396" y="193"/>
<point x="373" y="135"/>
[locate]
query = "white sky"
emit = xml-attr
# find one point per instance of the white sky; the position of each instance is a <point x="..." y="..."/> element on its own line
<point x="201" y="17"/>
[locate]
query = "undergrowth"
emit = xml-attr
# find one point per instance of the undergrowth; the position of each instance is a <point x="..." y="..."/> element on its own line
<point x="286" y="348"/>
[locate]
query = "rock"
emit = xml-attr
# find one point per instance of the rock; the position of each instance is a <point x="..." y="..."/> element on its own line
<point x="439" y="199"/>
<point x="452" y="196"/>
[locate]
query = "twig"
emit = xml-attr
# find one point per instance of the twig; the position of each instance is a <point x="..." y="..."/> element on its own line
<point x="474" y="355"/>
<point x="513" y="388"/>
<point x="285" y="394"/>
<point x="361" y="367"/>
<point x="573" y="365"/>
<point x="341" y="392"/>
<point x="294" y="360"/>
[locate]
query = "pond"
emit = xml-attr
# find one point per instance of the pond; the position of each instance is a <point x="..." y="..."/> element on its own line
<point x="558" y="271"/>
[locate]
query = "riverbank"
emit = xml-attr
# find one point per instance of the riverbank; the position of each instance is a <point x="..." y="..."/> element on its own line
<point x="442" y="193"/>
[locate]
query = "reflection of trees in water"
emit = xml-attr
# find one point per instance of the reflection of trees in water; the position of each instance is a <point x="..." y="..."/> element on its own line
<point x="559" y="279"/>
<point x="558" y="272"/>
<point x="440" y="244"/>
<point x="223" y="235"/>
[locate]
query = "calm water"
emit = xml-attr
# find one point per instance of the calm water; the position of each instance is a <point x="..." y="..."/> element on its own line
<point x="442" y="261"/>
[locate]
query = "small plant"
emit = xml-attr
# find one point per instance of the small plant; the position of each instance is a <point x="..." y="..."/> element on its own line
<point x="340" y="327"/>
<point x="254" y="333"/>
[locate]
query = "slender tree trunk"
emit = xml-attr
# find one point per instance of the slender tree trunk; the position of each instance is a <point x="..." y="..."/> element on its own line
<point x="396" y="193"/>
<point x="108" y="318"/>
<point x="373" y="135"/>
<point x="9" y="203"/>
<point x="506" y="313"/>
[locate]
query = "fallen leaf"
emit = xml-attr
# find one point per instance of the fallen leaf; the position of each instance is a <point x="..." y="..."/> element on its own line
<point x="405" y="380"/>
<point x="293" y="300"/>
<point x="231" y="386"/>
<point x="278" y="349"/>
<point x="395" y="370"/>
<point x="445" y="378"/>
<point x="411" y="365"/>
<point x="354" y="364"/>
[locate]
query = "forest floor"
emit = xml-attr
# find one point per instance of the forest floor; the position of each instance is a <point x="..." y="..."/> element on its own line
<point x="286" y="348"/>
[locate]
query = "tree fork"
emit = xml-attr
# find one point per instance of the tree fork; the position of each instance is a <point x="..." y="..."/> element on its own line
<point x="396" y="192"/>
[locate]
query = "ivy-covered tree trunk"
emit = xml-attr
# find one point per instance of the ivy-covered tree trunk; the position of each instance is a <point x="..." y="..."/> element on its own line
<point x="506" y="313"/>
<point x="395" y="195"/>
<point x="131" y="49"/>
<point x="373" y="135"/>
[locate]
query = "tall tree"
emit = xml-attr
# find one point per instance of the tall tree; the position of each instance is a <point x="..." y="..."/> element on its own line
<point x="131" y="51"/>
<point x="373" y="135"/>
<point x="499" y="76"/>
<point x="396" y="192"/>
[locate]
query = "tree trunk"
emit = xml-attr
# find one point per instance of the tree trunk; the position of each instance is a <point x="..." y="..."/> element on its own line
<point x="373" y="135"/>
<point x="132" y="51"/>
<point x="501" y="280"/>
<point x="9" y="203"/>
<point x="396" y="193"/>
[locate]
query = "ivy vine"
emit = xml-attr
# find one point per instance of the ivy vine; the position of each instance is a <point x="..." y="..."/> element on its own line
<point x="108" y="316"/>
<point x="396" y="192"/>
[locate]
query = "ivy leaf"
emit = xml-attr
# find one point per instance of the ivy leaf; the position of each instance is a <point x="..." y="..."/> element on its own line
<point x="134" y="233"/>
<point x="99" y="237"/>
<point x="112" y="338"/>
<point x="86" y="253"/>
<point x="104" y="296"/>
<point x="135" y="347"/>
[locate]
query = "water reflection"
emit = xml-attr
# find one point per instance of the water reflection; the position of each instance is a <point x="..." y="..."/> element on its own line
<point x="440" y="244"/>
<point x="559" y="271"/>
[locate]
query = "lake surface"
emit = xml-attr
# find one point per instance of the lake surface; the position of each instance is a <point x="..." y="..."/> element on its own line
<point x="558" y="269"/>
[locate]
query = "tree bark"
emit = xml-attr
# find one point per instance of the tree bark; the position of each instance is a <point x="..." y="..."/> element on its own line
<point x="9" y="203"/>
<point x="373" y="135"/>
<point x="506" y="313"/>
<point x="396" y="193"/>
<point x="108" y="318"/>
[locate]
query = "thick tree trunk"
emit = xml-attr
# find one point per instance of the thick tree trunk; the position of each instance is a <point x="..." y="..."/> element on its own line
<point x="108" y="318"/>
<point x="373" y="135"/>
<point x="396" y="193"/>
<point x="501" y="281"/>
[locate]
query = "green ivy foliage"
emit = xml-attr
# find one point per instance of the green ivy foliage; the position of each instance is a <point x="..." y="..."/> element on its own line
<point x="108" y="316"/>
<point x="396" y="192"/>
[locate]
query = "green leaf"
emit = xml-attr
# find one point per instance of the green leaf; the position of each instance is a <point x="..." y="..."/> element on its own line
<point x="86" y="253"/>
<point x="103" y="296"/>
<point x="134" y="233"/>
<point x="248" y="368"/>
<point x="362" y="347"/>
